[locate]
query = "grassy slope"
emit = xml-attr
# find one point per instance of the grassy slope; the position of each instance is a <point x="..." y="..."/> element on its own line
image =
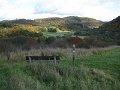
<point x="112" y="25"/>
<point x="108" y="61"/>
<point x="69" y="23"/>
<point x="25" y="76"/>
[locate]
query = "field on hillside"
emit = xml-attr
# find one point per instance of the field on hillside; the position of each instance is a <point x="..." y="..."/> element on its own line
<point x="61" y="34"/>
<point x="55" y="34"/>
<point x="94" y="69"/>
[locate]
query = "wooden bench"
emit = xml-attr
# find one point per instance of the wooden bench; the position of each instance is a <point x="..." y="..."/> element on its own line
<point x="42" y="58"/>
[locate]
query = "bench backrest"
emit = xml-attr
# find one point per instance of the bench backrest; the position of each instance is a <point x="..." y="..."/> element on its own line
<point x="42" y="58"/>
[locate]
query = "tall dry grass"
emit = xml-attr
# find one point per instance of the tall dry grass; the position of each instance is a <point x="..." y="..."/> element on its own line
<point x="63" y="53"/>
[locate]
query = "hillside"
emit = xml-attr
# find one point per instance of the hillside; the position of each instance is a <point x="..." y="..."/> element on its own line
<point x="12" y="23"/>
<point x="70" y="23"/>
<point x="87" y="22"/>
<point x="112" y="25"/>
<point x="111" y="30"/>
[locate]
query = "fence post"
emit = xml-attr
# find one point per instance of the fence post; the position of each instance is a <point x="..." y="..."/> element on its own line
<point x="55" y="59"/>
<point x="73" y="54"/>
<point x="29" y="59"/>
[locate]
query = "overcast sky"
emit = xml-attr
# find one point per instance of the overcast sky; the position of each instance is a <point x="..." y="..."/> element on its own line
<point x="104" y="10"/>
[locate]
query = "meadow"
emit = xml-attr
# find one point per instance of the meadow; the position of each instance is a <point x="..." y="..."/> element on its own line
<point x="94" y="69"/>
<point x="57" y="34"/>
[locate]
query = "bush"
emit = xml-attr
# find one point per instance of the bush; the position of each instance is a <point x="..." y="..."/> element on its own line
<point x="52" y="29"/>
<point x="6" y="47"/>
<point x="6" y="24"/>
<point x="93" y="41"/>
<point x="60" y="42"/>
<point x="19" y="40"/>
<point x="50" y="40"/>
<point x="74" y="40"/>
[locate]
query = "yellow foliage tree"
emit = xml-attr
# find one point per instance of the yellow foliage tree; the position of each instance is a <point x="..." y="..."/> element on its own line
<point x="30" y="28"/>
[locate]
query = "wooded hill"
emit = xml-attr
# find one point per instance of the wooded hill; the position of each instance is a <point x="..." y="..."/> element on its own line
<point x="70" y="23"/>
<point x="110" y="31"/>
<point x="48" y="32"/>
<point x="112" y="25"/>
<point x="65" y="24"/>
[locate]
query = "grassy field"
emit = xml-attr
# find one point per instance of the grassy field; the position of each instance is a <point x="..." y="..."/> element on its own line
<point x="94" y="69"/>
<point x="55" y="34"/>
<point x="61" y="34"/>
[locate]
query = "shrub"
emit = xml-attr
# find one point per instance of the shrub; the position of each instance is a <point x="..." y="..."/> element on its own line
<point x="19" y="40"/>
<point x="74" y="40"/>
<point x="52" y="29"/>
<point x="6" y="47"/>
<point x="49" y="40"/>
<point x="6" y="24"/>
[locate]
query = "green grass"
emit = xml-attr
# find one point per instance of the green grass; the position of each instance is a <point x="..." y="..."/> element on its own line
<point x="107" y="61"/>
<point x="99" y="71"/>
<point x="55" y="34"/>
<point x="61" y="34"/>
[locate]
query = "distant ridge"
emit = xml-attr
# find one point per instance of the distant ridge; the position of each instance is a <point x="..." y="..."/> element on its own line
<point x="71" y="23"/>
